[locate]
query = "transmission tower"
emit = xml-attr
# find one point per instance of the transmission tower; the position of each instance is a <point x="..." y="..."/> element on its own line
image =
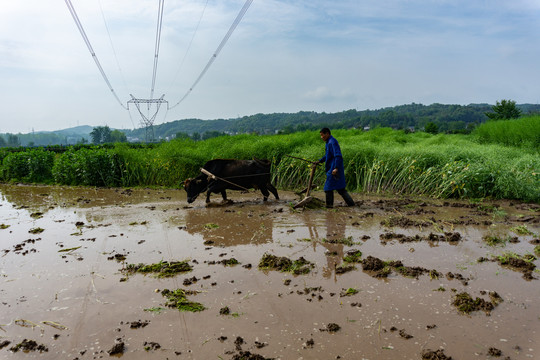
<point x="148" y="121"/>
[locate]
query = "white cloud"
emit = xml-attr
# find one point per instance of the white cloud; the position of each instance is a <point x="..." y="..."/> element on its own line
<point x="284" y="56"/>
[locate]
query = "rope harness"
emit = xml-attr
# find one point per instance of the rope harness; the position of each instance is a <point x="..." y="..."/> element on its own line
<point x="214" y="177"/>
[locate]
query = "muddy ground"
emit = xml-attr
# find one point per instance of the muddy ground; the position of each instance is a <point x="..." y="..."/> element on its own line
<point x="422" y="279"/>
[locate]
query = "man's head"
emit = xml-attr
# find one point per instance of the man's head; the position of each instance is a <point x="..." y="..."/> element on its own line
<point x="325" y="133"/>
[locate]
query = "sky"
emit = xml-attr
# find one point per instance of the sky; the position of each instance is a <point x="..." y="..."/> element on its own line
<point x="284" y="56"/>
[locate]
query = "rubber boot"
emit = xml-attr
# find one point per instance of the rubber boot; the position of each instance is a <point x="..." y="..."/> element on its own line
<point x="329" y="199"/>
<point x="348" y="199"/>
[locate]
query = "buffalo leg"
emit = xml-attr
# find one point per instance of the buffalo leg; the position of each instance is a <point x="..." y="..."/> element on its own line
<point x="224" y="195"/>
<point x="273" y="190"/>
<point x="208" y="196"/>
<point x="265" y="192"/>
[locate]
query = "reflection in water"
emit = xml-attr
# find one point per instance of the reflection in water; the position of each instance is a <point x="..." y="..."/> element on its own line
<point x="34" y="198"/>
<point x="335" y="230"/>
<point x="230" y="227"/>
<point x="43" y="198"/>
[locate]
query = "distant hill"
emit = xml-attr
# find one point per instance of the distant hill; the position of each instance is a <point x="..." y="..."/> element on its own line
<point x="448" y="118"/>
<point x="74" y="131"/>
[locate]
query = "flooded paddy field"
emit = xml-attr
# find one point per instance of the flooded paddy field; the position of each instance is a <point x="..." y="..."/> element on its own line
<point x="392" y="278"/>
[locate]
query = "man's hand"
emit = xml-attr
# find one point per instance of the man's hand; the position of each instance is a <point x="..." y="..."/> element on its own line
<point x="334" y="172"/>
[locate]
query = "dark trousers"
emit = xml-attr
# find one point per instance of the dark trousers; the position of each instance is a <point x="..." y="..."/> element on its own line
<point x="344" y="194"/>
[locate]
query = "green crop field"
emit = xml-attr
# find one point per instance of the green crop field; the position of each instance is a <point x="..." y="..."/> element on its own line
<point x="499" y="160"/>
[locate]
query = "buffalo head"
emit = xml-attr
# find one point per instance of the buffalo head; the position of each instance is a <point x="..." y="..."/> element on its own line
<point x="194" y="187"/>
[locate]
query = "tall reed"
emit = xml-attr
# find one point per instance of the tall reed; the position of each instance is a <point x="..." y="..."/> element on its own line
<point x="378" y="161"/>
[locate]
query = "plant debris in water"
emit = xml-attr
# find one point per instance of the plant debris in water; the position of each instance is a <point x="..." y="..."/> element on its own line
<point x="353" y="256"/>
<point x="517" y="262"/>
<point x="178" y="299"/>
<point x="37" y="230"/>
<point x="161" y="269"/>
<point x="283" y="264"/>
<point x="345" y="241"/>
<point x="342" y="269"/>
<point x="493" y="241"/>
<point x="348" y="292"/>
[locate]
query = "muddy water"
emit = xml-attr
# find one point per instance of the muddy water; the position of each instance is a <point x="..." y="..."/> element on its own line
<point x="78" y="303"/>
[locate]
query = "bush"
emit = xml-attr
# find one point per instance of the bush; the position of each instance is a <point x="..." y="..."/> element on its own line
<point x="29" y="166"/>
<point x="93" y="167"/>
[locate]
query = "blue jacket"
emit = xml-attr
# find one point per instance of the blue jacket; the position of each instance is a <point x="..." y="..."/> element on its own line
<point x="334" y="160"/>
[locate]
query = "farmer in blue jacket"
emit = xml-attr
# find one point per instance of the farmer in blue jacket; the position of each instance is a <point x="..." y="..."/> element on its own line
<point x="335" y="173"/>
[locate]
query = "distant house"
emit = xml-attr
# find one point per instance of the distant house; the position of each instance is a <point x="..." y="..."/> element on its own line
<point x="366" y="128"/>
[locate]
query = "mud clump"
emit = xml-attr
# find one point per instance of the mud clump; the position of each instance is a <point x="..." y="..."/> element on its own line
<point x="404" y="335"/>
<point x="466" y="304"/>
<point x="117" y="257"/>
<point x="138" y="324"/>
<point x="342" y="269"/>
<point x="28" y="345"/>
<point x="449" y="237"/>
<point x="372" y="264"/>
<point x="353" y="256"/>
<point x="284" y="264"/>
<point x="189" y="281"/>
<point x="381" y="269"/>
<point x="331" y="328"/>
<point x="519" y="263"/>
<point x="118" y="348"/>
<point x="224" y="311"/>
<point x="403" y="222"/>
<point x="151" y="345"/>
<point x="494" y="352"/>
<point x="375" y="265"/>
<point x="4" y="343"/>
<point x="229" y="262"/>
<point x="246" y="355"/>
<point x="451" y="276"/>
<point x="434" y="355"/>
<point x="401" y="238"/>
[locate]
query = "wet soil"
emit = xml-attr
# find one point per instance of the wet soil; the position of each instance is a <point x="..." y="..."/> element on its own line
<point x="392" y="278"/>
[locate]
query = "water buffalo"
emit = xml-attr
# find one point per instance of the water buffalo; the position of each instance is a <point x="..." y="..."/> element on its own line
<point x="231" y="174"/>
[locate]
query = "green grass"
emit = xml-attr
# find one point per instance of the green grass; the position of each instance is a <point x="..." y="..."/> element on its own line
<point x="349" y="292"/>
<point x="162" y="269"/>
<point x="178" y="299"/>
<point x="378" y="161"/>
<point x="494" y="241"/>
<point x="522" y="132"/>
<point x="522" y="230"/>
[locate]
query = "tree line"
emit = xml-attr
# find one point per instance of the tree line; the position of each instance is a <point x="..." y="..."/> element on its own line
<point x="432" y="118"/>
